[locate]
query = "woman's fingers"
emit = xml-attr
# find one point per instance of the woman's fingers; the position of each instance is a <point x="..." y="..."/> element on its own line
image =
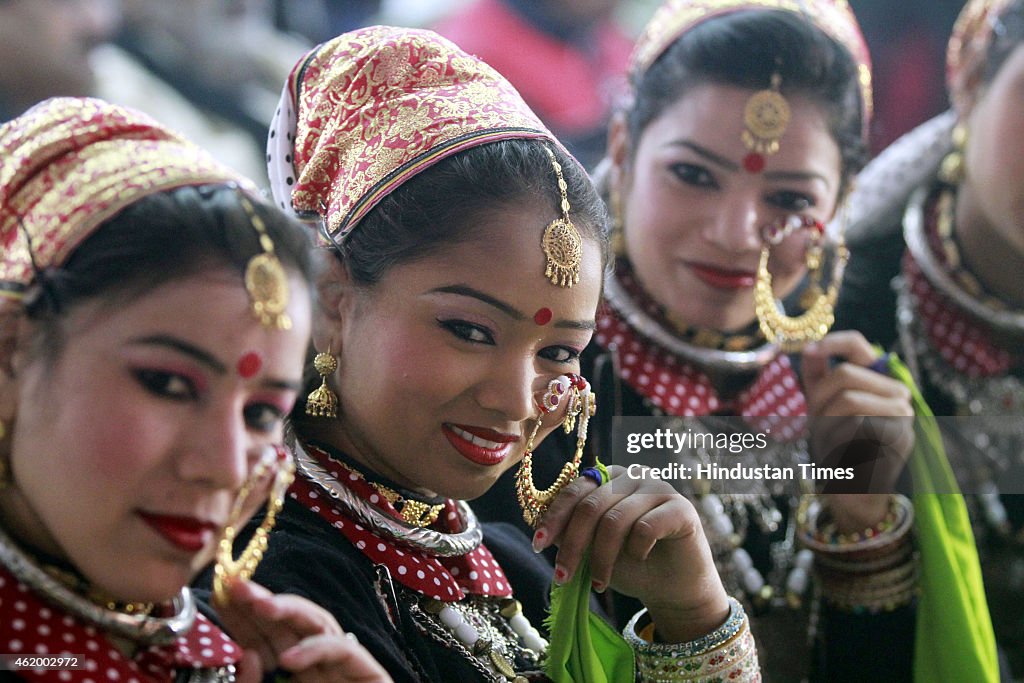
<point x="332" y="658"/>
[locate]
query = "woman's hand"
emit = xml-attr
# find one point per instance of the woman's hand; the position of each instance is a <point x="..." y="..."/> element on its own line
<point x="645" y="540"/>
<point x="291" y="633"/>
<point x="876" y="437"/>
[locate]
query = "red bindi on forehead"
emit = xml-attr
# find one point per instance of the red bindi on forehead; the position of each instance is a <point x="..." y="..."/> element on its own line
<point x="542" y="316"/>
<point x="249" y="364"/>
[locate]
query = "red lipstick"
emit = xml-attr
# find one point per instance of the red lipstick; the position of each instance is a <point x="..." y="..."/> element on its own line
<point x="722" y="278"/>
<point x="478" y="444"/>
<point x="185" y="533"/>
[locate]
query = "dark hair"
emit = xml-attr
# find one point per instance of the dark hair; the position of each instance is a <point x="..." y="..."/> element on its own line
<point x="1008" y="34"/>
<point x="160" y="238"/>
<point x="744" y="49"/>
<point x="439" y="206"/>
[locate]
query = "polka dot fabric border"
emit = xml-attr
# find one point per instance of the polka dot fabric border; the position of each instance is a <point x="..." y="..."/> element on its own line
<point x="32" y="626"/>
<point x="963" y="341"/>
<point x="444" y="578"/>
<point x="679" y="388"/>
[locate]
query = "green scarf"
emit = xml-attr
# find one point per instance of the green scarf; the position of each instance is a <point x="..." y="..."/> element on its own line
<point x="954" y="640"/>
<point x="583" y="648"/>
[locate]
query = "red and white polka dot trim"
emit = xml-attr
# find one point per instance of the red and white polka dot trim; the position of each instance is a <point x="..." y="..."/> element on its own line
<point x="679" y="388"/>
<point x="443" y="578"/>
<point x="32" y="626"/>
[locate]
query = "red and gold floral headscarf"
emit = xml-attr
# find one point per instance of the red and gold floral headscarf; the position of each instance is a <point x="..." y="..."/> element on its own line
<point x="972" y="35"/>
<point x="675" y="17"/>
<point x="69" y="164"/>
<point x="366" y="111"/>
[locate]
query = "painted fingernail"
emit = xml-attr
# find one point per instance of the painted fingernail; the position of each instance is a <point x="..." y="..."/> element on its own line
<point x="597" y="585"/>
<point x="540" y="538"/>
<point x="561" y="575"/>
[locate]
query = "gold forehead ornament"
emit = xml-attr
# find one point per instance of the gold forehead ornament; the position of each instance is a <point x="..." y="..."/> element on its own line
<point x="265" y="277"/>
<point x="561" y="242"/>
<point x="766" y="117"/>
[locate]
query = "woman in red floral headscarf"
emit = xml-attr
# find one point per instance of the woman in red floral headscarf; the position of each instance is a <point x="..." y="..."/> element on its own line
<point x="153" y="321"/>
<point x="465" y="257"/>
<point x="746" y="126"/>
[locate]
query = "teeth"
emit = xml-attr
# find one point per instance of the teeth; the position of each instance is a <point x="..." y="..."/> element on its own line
<point x="476" y="440"/>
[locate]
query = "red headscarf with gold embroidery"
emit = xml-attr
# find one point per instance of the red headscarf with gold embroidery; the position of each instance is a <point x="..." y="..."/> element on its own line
<point x="675" y="17"/>
<point x="366" y="111"/>
<point x="69" y="164"/>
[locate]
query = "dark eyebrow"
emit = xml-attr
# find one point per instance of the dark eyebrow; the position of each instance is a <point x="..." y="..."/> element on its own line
<point x="796" y="175"/>
<point x="507" y="309"/>
<point x="728" y="165"/>
<point x="706" y="154"/>
<point x="183" y="347"/>
<point x="207" y="359"/>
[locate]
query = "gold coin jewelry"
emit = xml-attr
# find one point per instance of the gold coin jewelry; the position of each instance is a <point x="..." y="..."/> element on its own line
<point x="561" y="242"/>
<point x="322" y="402"/>
<point x="228" y="569"/>
<point x="265" y="277"/>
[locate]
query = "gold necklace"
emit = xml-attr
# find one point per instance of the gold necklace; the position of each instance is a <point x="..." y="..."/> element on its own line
<point x="414" y="512"/>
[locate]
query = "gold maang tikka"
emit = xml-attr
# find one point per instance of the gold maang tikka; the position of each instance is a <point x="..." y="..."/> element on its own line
<point x="265" y="277"/>
<point x="561" y="242"/>
<point x="765" y="117"/>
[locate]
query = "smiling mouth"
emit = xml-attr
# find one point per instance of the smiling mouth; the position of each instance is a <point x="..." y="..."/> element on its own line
<point x="723" y="278"/>
<point x="185" y="533"/>
<point x="488" y="450"/>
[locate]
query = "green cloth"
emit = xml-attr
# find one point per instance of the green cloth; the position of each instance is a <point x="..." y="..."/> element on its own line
<point x="954" y="639"/>
<point x="583" y="648"/>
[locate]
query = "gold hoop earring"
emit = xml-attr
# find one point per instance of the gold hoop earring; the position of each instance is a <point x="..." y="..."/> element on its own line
<point x="582" y="405"/>
<point x="228" y="569"/>
<point x="953" y="168"/>
<point x="322" y="402"/>
<point x="791" y="334"/>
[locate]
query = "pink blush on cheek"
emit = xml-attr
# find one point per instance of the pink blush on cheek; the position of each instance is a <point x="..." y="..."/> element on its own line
<point x="249" y="364"/>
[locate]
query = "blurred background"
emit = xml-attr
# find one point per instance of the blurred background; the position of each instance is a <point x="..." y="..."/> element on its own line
<point x="214" y="69"/>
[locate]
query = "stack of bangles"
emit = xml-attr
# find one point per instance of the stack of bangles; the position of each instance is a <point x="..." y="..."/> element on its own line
<point x="726" y="654"/>
<point x="874" y="570"/>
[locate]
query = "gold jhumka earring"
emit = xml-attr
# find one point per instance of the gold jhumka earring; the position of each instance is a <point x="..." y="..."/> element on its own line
<point x="228" y="569"/>
<point x="582" y="405"/>
<point x="791" y="334"/>
<point x="322" y="402"/>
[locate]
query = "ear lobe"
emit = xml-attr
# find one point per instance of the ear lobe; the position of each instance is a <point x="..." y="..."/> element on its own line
<point x="967" y="85"/>
<point x="335" y="294"/>
<point x="618" y="151"/>
<point x="15" y="333"/>
<point x="618" y="142"/>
